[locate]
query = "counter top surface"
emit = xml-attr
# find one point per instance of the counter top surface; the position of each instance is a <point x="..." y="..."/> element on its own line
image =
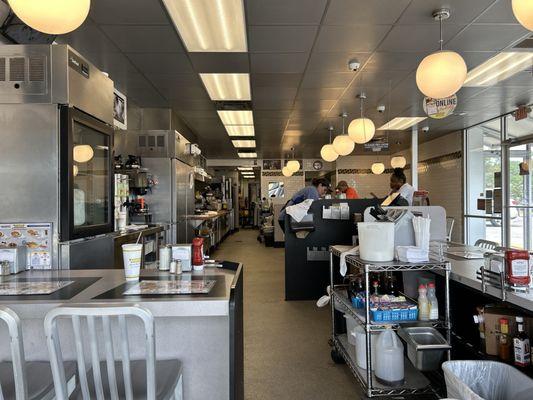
<point x="107" y="286"/>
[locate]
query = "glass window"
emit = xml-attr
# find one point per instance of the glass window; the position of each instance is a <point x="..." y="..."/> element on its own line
<point x="483" y="195"/>
<point x="518" y="129"/>
<point x="90" y="171"/>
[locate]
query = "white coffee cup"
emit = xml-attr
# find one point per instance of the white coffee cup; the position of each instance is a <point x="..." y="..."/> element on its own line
<point x="132" y="254"/>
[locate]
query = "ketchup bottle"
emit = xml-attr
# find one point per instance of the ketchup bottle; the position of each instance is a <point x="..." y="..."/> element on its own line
<point x="517" y="268"/>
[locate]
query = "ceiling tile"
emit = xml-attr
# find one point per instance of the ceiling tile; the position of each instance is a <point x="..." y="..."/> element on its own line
<point x="313" y="104"/>
<point x="220" y="62"/>
<point x="282" y="93"/>
<point x="190" y="92"/>
<point x="334" y="62"/>
<point x="144" y="38"/>
<point x="164" y="63"/>
<point x="359" y="38"/>
<point x="275" y="63"/>
<point x="276" y="80"/>
<point x="190" y="104"/>
<point x="175" y="80"/>
<point x="88" y="38"/>
<point x="364" y="12"/>
<point x="281" y="39"/>
<point x="320" y="93"/>
<point x="283" y="12"/>
<point x="422" y="38"/>
<point x="394" y="61"/>
<point x="462" y="12"/>
<point x="487" y="37"/>
<point x="128" y="12"/>
<point x="499" y="13"/>
<point x="475" y="58"/>
<point x="327" y="80"/>
<point x="272" y="104"/>
<point x="147" y="98"/>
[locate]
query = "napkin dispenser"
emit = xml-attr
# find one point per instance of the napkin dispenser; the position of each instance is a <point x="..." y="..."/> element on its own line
<point x="183" y="252"/>
<point x="307" y="224"/>
<point x="16" y="257"/>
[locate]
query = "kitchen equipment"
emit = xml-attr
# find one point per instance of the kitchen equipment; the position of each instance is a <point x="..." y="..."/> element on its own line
<point x="198" y="253"/>
<point x="389" y="359"/>
<point x="376" y="241"/>
<point x="425" y="347"/>
<point x="16" y="257"/>
<point x="183" y="252"/>
<point x="360" y="346"/>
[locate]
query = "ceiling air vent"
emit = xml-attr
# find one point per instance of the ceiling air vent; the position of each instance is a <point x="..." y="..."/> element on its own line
<point x="16" y="69"/>
<point x="37" y="67"/>
<point x="233" y="105"/>
<point x="2" y="69"/>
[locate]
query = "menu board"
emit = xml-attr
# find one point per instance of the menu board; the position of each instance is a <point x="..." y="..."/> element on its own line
<point x="171" y="287"/>
<point x="36" y="237"/>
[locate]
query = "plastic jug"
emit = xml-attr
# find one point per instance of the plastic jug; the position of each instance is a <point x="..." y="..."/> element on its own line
<point x="389" y="359"/>
<point x="360" y="347"/>
<point x="376" y="241"/>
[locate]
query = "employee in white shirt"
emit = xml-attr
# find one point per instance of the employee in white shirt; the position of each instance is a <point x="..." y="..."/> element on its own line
<point x="398" y="184"/>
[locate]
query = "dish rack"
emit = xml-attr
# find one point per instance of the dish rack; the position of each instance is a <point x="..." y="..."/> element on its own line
<point x="415" y="381"/>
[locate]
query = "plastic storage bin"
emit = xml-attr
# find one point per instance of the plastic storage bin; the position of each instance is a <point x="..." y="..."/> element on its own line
<point x="486" y="380"/>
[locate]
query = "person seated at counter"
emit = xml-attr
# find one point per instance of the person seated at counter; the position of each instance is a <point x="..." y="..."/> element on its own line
<point x="315" y="191"/>
<point x="350" y="192"/>
<point x="401" y="192"/>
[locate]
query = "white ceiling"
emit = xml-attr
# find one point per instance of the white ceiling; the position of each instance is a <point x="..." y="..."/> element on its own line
<point x="297" y="59"/>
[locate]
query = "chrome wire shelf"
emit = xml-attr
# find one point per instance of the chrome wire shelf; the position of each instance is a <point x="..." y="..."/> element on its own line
<point x="393" y="266"/>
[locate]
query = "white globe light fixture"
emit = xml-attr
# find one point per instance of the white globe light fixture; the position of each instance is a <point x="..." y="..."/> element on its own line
<point x="328" y="153"/>
<point x="54" y="17"/>
<point x="286" y="172"/>
<point x="378" y="168"/>
<point x="83" y="153"/>
<point x="523" y="12"/>
<point x="361" y="130"/>
<point x="398" y="162"/>
<point x="441" y="74"/>
<point x="293" y="166"/>
<point x="343" y="145"/>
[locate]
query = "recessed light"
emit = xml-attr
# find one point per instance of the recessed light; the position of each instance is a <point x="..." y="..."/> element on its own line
<point x="245" y="168"/>
<point x="209" y="25"/>
<point x="247" y="155"/>
<point x="243" y="143"/>
<point x="498" y="68"/>
<point x="249" y="177"/>
<point x="240" y="130"/>
<point x="236" y="117"/>
<point x="401" y="123"/>
<point x="227" y="86"/>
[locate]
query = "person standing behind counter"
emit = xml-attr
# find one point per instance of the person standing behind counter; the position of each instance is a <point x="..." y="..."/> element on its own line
<point x="350" y="192"/>
<point x="315" y="191"/>
<point x="398" y="184"/>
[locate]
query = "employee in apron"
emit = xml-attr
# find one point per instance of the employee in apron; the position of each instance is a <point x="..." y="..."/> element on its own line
<point x="401" y="192"/>
<point x="318" y="188"/>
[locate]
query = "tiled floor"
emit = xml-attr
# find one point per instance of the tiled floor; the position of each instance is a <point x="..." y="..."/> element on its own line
<point x="286" y="343"/>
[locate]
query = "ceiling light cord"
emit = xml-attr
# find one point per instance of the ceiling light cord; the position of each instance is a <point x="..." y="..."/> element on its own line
<point x="440" y="29"/>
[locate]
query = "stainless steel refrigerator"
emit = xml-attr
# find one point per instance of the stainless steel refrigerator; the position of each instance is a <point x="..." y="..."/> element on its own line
<point x="165" y="153"/>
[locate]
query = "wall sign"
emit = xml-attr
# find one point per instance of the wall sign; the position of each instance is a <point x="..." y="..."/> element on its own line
<point x="376" y="145"/>
<point x="271" y="165"/>
<point x="120" y="115"/>
<point x="317" y="165"/>
<point x="439" y="108"/>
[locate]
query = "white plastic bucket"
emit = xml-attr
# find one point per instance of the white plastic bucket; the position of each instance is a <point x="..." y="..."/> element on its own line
<point x="376" y="241"/>
<point x="360" y="347"/>
<point x="132" y="255"/>
<point x="350" y="327"/>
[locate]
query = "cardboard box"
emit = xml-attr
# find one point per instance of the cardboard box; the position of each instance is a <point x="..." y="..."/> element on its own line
<point x="491" y="319"/>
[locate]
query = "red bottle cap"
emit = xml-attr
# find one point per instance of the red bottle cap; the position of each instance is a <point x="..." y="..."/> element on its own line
<point x="431" y="285"/>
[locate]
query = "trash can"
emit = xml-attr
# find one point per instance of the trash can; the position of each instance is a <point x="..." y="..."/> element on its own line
<point x="486" y="380"/>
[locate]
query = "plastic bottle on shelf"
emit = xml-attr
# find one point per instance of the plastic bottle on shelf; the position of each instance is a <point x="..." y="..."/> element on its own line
<point x="423" y="304"/>
<point x="433" y="302"/>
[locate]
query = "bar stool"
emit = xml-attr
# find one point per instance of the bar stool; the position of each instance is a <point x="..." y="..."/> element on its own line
<point x="13" y="375"/>
<point x="139" y="379"/>
<point x="486" y="244"/>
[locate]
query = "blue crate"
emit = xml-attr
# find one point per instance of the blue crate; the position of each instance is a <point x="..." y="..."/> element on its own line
<point x="394" y="315"/>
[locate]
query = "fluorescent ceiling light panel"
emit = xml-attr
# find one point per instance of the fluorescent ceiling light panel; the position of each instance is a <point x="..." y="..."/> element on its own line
<point x="401" y="123"/>
<point x="227" y="86"/>
<point x="245" y="168"/>
<point x="498" y="68"/>
<point x="243" y="143"/>
<point x="209" y="25"/>
<point x="247" y="155"/>
<point x="240" y="130"/>
<point x="249" y="177"/>
<point x="236" y="117"/>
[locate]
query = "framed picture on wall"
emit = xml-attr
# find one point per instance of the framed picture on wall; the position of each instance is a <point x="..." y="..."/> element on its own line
<point x="271" y="165"/>
<point x="120" y="112"/>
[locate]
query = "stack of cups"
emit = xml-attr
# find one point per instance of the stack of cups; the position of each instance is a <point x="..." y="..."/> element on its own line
<point x="132" y="254"/>
<point x="421" y="227"/>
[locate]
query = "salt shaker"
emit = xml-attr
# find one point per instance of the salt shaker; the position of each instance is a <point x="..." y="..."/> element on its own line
<point x="178" y="267"/>
<point x="173" y="267"/>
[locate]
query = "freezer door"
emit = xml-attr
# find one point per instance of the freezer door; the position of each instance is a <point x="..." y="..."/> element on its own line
<point x="159" y="198"/>
<point x="183" y="200"/>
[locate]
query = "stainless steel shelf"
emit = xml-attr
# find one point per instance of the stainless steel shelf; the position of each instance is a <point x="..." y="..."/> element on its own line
<point x="342" y="302"/>
<point x="392" y="266"/>
<point x="415" y="381"/>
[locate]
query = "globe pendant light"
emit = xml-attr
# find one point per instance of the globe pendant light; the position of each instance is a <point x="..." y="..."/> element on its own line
<point x="523" y="12"/>
<point x="398" y="162"/>
<point x="55" y="17"/>
<point x="343" y="144"/>
<point x="82" y="153"/>
<point x="286" y="172"/>
<point x="293" y="165"/>
<point x="442" y="73"/>
<point x="361" y="130"/>
<point x="327" y="152"/>
<point x="378" y="168"/>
